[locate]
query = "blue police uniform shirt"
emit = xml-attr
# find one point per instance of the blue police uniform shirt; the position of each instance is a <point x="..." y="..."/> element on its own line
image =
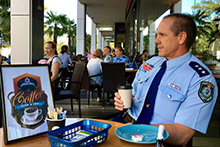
<point x="186" y="95"/>
<point x="66" y="59"/>
<point x="108" y="58"/>
<point x="122" y="58"/>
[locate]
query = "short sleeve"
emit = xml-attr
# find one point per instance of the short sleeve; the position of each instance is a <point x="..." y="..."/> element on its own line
<point x="57" y="59"/>
<point x="195" y="112"/>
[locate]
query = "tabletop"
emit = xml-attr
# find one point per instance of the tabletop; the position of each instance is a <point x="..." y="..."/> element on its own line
<point x="130" y="70"/>
<point x="43" y="140"/>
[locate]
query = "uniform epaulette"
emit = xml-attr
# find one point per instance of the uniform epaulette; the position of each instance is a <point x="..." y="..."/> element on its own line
<point x="199" y="69"/>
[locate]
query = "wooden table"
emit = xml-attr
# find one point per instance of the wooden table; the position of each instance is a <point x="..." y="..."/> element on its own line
<point x="43" y="141"/>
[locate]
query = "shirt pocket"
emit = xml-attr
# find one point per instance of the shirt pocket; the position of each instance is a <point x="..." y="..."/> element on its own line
<point x="168" y="102"/>
<point x="139" y="85"/>
<point x="143" y="76"/>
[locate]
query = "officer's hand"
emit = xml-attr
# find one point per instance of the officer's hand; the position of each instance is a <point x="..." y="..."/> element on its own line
<point x="118" y="102"/>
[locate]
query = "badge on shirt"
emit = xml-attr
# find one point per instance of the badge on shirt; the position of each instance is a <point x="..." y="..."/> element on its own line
<point x="146" y="67"/>
<point x="206" y="91"/>
<point x="174" y="86"/>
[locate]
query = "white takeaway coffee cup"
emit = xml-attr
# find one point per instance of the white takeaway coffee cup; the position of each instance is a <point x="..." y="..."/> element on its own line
<point x="125" y="91"/>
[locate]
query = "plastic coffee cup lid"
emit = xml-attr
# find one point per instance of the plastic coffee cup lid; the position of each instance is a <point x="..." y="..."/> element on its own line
<point x="124" y="87"/>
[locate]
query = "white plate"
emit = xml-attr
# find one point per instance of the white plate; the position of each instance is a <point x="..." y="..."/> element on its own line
<point x="148" y="132"/>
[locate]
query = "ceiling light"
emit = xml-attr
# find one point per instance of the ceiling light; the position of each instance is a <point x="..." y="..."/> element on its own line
<point x="105" y="29"/>
<point x="108" y="37"/>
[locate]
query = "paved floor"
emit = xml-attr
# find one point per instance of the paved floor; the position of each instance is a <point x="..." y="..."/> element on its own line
<point x="95" y="110"/>
<point x="211" y="139"/>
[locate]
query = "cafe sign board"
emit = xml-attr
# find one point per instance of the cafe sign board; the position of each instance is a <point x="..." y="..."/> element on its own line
<point x="26" y="94"/>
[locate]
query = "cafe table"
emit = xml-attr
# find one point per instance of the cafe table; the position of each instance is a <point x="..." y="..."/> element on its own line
<point x="43" y="140"/>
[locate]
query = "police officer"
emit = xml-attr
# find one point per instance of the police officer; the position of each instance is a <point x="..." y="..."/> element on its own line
<point x="120" y="57"/>
<point x="186" y="93"/>
<point x="107" y="54"/>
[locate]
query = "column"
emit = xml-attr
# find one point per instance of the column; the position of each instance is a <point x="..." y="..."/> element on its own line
<point x="26" y="31"/>
<point x="151" y="39"/>
<point x="80" y="31"/>
<point x="103" y="43"/>
<point x="141" y="42"/>
<point x="178" y="7"/>
<point x="99" y="40"/>
<point x="93" y="37"/>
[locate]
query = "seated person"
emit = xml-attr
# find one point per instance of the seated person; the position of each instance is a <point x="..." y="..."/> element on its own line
<point x="113" y="53"/>
<point x="66" y="61"/>
<point x="65" y="57"/>
<point x="120" y="57"/>
<point x="94" y="67"/>
<point x="107" y="54"/>
<point x="9" y="59"/>
<point x="175" y="88"/>
<point x="89" y="56"/>
<point x="144" y="56"/>
<point x="54" y="61"/>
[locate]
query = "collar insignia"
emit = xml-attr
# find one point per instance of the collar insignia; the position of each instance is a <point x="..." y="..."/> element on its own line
<point x="206" y="91"/>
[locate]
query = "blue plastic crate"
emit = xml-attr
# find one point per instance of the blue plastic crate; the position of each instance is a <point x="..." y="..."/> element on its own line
<point x="61" y="137"/>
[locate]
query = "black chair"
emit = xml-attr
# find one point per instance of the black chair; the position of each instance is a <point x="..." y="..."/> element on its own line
<point x="86" y="85"/>
<point x="67" y="71"/>
<point x="113" y="75"/>
<point x="75" y="86"/>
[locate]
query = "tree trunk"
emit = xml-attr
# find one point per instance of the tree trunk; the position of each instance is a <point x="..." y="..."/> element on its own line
<point x="55" y="34"/>
<point x="69" y="41"/>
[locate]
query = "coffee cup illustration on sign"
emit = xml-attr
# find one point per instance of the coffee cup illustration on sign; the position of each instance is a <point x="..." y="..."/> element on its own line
<point x="32" y="116"/>
<point x="31" y="113"/>
<point x="28" y="101"/>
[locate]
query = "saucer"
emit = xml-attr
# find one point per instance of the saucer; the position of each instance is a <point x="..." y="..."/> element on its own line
<point x="25" y="121"/>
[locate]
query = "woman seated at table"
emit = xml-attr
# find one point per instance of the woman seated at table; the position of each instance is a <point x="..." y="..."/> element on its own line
<point x="66" y="61"/>
<point x="120" y="57"/>
<point x="54" y="62"/>
<point x="94" y="67"/>
<point x="65" y="57"/>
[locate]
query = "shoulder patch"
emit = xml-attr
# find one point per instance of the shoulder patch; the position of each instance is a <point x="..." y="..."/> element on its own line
<point x="206" y="91"/>
<point x="199" y="69"/>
